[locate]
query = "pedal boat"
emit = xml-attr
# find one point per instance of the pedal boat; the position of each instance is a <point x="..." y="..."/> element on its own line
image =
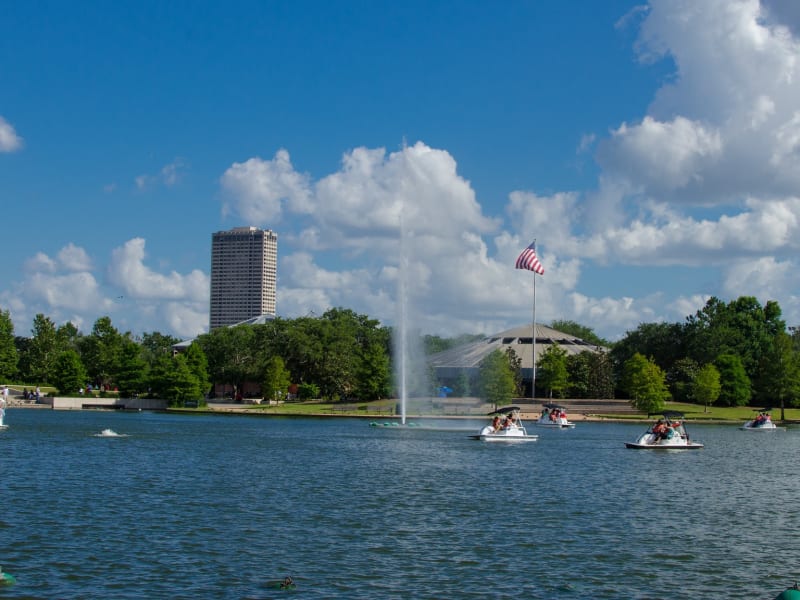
<point x="510" y="430"/>
<point x="554" y="416"/>
<point x="674" y="436"/>
<point x="761" y="422"/>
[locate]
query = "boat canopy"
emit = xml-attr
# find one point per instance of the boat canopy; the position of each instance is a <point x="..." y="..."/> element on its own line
<point x="669" y="414"/>
<point x="504" y="410"/>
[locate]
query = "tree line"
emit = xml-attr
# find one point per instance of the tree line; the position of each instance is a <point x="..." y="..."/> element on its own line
<point x="727" y="354"/>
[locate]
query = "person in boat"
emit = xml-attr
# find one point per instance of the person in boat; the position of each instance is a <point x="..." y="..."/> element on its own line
<point x="509" y="422"/>
<point x="660" y="430"/>
<point x="287" y="583"/>
<point x="496" y="423"/>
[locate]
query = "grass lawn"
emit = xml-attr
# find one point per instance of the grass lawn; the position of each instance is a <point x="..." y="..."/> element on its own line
<point x="692" y="412"/>
<point x="695" y="412"/>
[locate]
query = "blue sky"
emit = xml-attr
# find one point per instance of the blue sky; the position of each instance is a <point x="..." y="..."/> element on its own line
<point x="652" y="149"/>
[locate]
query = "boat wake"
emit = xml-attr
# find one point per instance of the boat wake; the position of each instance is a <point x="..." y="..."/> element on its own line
<point x="110" y="433"/>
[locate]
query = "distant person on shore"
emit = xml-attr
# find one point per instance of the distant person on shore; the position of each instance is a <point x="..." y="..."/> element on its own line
<point x="5" y="394"/>
<point x="38" y="393"/>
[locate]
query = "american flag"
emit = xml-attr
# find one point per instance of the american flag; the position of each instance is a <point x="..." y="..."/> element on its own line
<point x="528" y="260"/>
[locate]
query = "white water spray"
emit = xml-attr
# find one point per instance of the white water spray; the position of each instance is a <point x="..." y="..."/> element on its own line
<point x="401" y="343"/>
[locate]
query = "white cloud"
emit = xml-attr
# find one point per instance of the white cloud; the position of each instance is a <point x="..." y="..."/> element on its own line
<point x="40" y="262"/>
<point x="9" y="140"/>
<point x="73" y="291"/>
<point x="74" y="258"/>
<point x="662" y="155"/>
<point x="724" y="127"/>
<point x="764" y="277"/>
<point x="169" y="176"/>
<point x="129" y="273"/>
<point x="256" y="189"/>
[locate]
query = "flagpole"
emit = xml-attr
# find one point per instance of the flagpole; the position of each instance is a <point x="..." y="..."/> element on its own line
<point x="527" y="260"/>
<point x="533" y="339"/>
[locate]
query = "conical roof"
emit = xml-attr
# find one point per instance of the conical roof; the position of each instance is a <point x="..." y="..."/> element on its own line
<point x="470" y="355"/>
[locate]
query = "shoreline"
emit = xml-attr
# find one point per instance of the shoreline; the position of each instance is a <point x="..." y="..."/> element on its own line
<point x="528" y="417"/>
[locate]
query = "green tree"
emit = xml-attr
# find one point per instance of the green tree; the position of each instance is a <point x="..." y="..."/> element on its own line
<point x="590" y="375"/>
<point x="232" y="355"/>
<point x="307" y="391"/>
<point x="601" y="375"/>
<point x="276" y="379"/>
<point x="173" y="381"/>
<point x="69" y="374"/>
<point x="68" y="337"/>
<point x="198" y="364"/>
<point x="579" y="374"/>
<point x="156" y="344"/>
<point x="101" y="350"/>
<point x="781" y="372"/>
<point x="515" y="363"/>
<point x="8" y="350"/>
<point x="433" y="343"/>
<point x="742" y="328"/>
<point x="706" y="386"/>
<point x="551" y="372"/>
<point x="132" y="372"/>
<point x="587" y="334"/>
<point x="373" y="373"/>
<point x="680" y="379"/>
<point x="735" y="390"/>
<point x="662" y="342"/>
<point x="43" y="350"/>
<point x="645" y="382"/>
<point x="496" y="379"/>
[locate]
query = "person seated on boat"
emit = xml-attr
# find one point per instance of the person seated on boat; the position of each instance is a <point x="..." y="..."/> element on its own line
<point x="496" y="423"/>
<point x="546" y="412"/>
<point x="287" y="583"/>
<point x="660" y="430"/>
<point x="509" y="422"/>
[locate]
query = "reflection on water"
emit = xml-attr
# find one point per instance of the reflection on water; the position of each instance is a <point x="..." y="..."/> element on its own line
<point x="224" y="506"/>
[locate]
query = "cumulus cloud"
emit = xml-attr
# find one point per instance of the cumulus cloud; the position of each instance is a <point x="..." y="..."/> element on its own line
<point x="256" y="189"/>
<point x="725" y="126"/>
<point x="9" y="140"/>
<point x="66" y="288"/>
<point x="74" y="258"/>
<point x="129" y="273"/>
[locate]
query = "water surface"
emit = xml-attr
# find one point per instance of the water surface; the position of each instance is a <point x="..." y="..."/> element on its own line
<point x="221" y="506"/>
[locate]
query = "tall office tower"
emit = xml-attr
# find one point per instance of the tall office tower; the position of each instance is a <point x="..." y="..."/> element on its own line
<point x="244" y="266"/>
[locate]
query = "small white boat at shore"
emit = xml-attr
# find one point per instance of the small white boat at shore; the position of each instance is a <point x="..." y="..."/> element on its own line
<point x="668" y="433"/>
<point x="761" y="422"/>
<point x="3" y="426"/>
<point x="554" y="416"/>
<point x="506" y="426"/>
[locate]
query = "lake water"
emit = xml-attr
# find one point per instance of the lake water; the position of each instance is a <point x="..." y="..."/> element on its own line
<point x="221" y="506"/>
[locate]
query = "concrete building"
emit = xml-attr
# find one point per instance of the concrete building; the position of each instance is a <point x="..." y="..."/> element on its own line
<point x="465" y="360"/>
<point x="244" y="267"/>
